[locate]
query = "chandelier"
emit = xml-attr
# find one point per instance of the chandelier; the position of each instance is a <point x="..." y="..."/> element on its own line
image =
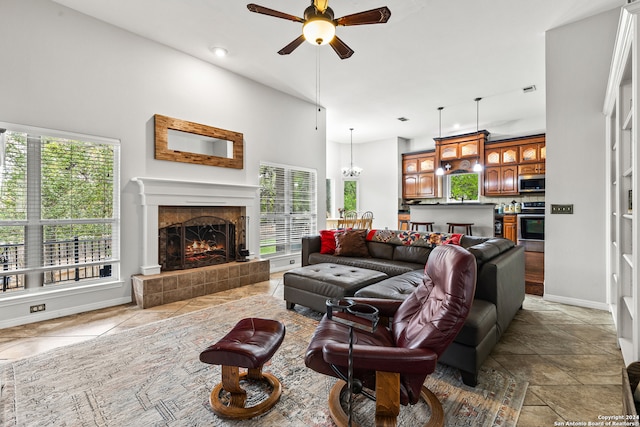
<point x="351" y="171"/>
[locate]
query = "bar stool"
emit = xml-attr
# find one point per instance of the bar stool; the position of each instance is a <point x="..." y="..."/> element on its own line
<point x="415" y="225"/>
<point x="466" y="225"/>
<point x="402" y="223"/>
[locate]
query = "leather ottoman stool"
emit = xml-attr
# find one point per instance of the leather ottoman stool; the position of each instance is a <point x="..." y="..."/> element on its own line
<point x="312" y="285"/>
<point x="250" y="344"/>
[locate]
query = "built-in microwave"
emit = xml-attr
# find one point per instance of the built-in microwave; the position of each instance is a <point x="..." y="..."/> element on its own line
<point x="531" y="184"/>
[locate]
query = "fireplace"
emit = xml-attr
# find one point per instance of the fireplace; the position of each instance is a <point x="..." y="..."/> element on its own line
<point x="166" y="203"/>
<point x="199" y="236"/>
<point x="199" y="242"/>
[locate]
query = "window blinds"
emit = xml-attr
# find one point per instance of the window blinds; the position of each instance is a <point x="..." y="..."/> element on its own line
<point x="288" y="208"/>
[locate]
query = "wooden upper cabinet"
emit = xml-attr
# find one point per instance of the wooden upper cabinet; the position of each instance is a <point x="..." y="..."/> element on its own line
<point x="492" y="157"/>
<point x="418" y="175"/>
<point x="468" y="149"/>
<point x="427" y="163"/>
<point x="532" y="169"/>
<point x="509" y="155"/>
<point x="530" y="153"/>
<point x="449" y="152"/>
<point x="410" y="165"/>
<point x="500" y="156"/>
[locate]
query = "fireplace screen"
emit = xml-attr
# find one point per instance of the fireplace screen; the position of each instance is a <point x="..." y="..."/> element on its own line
<point x="198" y="242"/>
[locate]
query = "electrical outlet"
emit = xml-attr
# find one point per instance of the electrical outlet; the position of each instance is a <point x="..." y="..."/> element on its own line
<point x="37" y="308"/>
<point x="292" y="261"/>
<point x="562" y="209"/>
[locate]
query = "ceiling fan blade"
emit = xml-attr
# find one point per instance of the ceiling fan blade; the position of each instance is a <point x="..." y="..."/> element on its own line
<point x="292" y="46"/>
<point x="374" y="16"/>
<point x="341" y="48"/>
<point x="266" y="11"/>
<point x="321" y="5"/>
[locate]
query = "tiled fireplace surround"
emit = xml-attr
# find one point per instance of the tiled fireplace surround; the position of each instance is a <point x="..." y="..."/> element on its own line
<point x="152" y="287"/>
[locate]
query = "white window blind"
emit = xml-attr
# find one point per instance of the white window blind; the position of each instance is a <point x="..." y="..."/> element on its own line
<point x="59" y="204"/>
<point x="288" y="208"/>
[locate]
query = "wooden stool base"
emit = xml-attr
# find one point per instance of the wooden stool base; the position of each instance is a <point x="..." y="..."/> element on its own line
<point x="236" y="409"/>
<point x="341" y="418"/>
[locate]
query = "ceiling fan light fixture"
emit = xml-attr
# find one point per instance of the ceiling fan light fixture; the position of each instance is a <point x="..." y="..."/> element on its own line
<point x="319" y="31"/>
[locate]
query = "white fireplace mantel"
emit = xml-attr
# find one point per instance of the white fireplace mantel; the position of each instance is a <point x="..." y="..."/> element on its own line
<point x="156" y="192"/>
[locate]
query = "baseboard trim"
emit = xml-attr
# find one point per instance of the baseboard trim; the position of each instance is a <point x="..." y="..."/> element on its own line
<point x="575" y="301"/>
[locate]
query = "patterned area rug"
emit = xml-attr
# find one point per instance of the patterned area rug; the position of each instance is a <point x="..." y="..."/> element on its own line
<point x="152" y="376"/>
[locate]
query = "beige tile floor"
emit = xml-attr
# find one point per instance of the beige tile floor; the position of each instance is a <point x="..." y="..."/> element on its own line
<point x="567" y="354"/>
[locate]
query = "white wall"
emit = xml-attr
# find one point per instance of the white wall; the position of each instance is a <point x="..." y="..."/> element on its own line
<point x="63" y="70"/>
<point x="378" y="183"/>
<point x="578" y="57"/>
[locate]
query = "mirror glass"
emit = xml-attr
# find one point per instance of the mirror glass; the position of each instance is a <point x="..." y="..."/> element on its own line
<point x="199" y="144"/>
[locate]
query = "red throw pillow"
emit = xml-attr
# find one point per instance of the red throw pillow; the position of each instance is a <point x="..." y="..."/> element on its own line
<point x="327" y="242"/>
<point x="454" y="239"/>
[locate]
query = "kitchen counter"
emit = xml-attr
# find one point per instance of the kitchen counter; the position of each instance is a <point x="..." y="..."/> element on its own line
<point x="480" y="214"/>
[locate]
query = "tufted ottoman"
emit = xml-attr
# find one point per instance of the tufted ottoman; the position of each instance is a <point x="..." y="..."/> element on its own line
<point x="250" y="344"/>
<point x="312" y="285"/>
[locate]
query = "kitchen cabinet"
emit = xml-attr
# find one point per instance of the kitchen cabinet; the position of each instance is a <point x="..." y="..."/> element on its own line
<point x="501" y="180"/>
<point x="622" y="255"/>
<point x="534" y="152"/>
<point x="418" y="175"/>
<point x="461" y="151"/>
<point x="532" y="169"/>
<point x="507" y="159"/>
<point x="510" y="228"/>
<point x="501" y="155"/>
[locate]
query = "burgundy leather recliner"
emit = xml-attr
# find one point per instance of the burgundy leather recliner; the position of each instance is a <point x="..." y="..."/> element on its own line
<point x="420" y="329"/>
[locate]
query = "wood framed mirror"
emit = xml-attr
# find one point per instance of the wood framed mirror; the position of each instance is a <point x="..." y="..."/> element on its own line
<point x="182" y="141"/>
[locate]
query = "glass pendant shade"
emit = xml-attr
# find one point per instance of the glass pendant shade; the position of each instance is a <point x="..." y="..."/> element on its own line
<point x="319" y="31"/>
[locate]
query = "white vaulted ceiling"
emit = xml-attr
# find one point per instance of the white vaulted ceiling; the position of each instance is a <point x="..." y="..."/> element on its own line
<point x="431" y="53"/>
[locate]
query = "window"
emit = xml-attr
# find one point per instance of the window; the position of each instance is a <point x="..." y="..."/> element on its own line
<point x="463" y="187"/>
<point x="59" y="204"/>
<point x="350" y="195"/>
<point x="288" y="208"/>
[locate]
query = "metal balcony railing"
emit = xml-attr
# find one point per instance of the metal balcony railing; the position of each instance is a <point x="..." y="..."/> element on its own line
<point x="63" y="262"/>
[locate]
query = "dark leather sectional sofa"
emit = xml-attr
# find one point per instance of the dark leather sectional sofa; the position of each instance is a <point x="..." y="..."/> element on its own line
<point x="500" y="289"/>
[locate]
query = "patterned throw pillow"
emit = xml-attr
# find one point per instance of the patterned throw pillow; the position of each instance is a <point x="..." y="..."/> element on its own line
<point x="352" y="243"/>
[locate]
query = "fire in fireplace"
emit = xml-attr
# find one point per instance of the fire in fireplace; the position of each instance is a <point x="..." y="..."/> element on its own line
<point x="198" y="242"/>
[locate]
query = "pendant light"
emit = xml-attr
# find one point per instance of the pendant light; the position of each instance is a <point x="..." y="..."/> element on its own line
<point x="440" y="170"/>
<point x="477" y="167"/>
<point x="351" y="171"/>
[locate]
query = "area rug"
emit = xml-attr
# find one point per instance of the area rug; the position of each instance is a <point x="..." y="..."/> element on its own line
<point x="152" y="376"/>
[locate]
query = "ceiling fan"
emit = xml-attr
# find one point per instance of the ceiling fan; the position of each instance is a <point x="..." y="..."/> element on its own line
<point x="319" y="25"/>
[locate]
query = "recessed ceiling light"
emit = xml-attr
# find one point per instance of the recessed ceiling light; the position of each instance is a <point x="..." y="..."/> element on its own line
<point x="220" y="52"/>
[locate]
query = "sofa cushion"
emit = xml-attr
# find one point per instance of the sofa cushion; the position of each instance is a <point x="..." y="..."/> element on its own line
<point x="482" y="318"/>
<point x="380" y="250"/>
<point x="490" y="249"/>
<point x="351" y="243"/>
<point x="397" y="287"/>
<point x="414" y="254"/>
<point x="391" y="268"/>
<point x="327" y="241"/>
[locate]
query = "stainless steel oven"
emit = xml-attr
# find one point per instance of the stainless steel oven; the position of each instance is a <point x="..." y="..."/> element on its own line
<point x="531" y="226"/>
